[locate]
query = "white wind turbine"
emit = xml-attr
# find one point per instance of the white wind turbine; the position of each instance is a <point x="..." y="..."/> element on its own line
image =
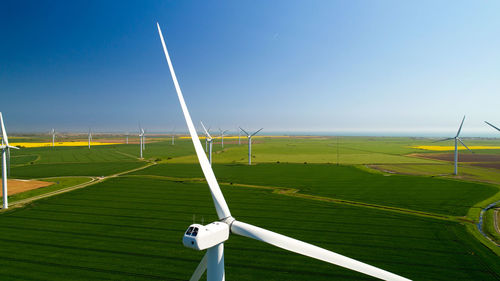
<point x="209" y="139"/>
<point x="457" y="139"/>
<point x="5" y="151"/>
<point x="492" y="125"/>
<point x="173" y="136"/>
<point x="90" y="137"/>
<point x="141" y="135"/>
<point x="126" y="141"/>
<point x="53" y="136"/>
<point x="212" y="236"/>
<point x="222" y="136"/>
<point x="249" y="136"/>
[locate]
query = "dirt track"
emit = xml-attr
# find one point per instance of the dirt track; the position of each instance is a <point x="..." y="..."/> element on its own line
<point x="18" y="186"/>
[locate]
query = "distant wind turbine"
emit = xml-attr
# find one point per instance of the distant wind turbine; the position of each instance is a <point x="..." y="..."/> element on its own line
<point x="126" y="138"/>
<point x="141" y="134"/>
<point x="90" y="137"/>
<point x="209" y="139"/>
<point x="173" y="136"/>
<point x="5" y="151"/>
<point x="222" y="136"/>
<point x="212" y="237"/>
<point x="53" y="136"/>
<point x="492" y="125"/>
<point x="457" y="139"/>
<point x="249" y="136"/>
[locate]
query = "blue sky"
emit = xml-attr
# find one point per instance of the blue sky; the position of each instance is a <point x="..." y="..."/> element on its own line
<point x="391" y="67"/>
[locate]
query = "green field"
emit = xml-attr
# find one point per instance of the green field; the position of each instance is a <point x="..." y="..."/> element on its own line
<point x="130" y="227"/>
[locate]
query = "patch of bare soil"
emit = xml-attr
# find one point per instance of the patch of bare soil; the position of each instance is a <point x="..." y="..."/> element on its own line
<point x="480" y="160"/>
<point x="461" y="157"/>
<point x="18" y="186"/>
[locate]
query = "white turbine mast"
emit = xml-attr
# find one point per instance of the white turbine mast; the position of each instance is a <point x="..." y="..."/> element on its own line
<point x="141" y="135"/>
<point x="126" y="140"/>
<point x="494" y="127"/>
<point x="173" y="136"/>
<point x="5" y="152"/>
<point x="90" y="137"/>
<point x="249" y="136"/>
<point x="209" y="139"/>
<point x="222" y="132"/>
<point x="53" y="136"/>
<point x="457" y="139"/>
<point x="212" y="236"/>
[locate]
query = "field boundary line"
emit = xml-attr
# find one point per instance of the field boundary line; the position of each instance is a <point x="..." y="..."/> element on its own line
<point x="296" y="193"/>
<point x="293" y="192"/>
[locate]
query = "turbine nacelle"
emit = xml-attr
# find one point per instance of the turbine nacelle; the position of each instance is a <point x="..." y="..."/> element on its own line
<point x="201" y="237"/>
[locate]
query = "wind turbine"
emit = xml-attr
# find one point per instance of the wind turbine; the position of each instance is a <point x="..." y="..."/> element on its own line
<point x="222" y="136"/>
<point x="126" y="138"/>
<point x="5" y="151"/>
<point x="457" y="139"/>
<point x="173" y="136"/>
<point x="492" y="125"/>
<point x="90" y="137"/>
<point x="212" y="236"/>
<point x="208" y="138"/>
<point x="53" y="136"/>
<point x="141" y="134"/>
<point x="250" y="144"/>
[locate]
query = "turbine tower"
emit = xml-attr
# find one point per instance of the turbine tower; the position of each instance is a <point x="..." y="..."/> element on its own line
<point x="222" y="136"/>
<point x="250" y="144"/>
<point x="90" y="137"/>
<point x="141" y="134"/>
<point x="173" y="136"/>
<point x="212" y="236"/>
<point x="126" y="141"/>
<point x="492" y="125"/>
<point x="5" y="151"/>
<point x="457" y="139"/>
<point x="53" y="136"/>
<point x="208" y="138"/>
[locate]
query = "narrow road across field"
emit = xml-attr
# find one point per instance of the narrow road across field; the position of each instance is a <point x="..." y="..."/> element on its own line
<point x="94" y="180"/>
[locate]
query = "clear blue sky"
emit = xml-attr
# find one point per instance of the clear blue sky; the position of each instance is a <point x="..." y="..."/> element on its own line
<point x="341" y="66"/>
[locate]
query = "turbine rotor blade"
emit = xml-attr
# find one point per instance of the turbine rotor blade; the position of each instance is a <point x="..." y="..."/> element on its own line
<point x="205" y="129"/>
<point x="219" y="201"/>
<point x="309" y="250"/>
<point x="460" y="140"/>
<point x="460" y="128"/>
<point x="200" y="269"/>
<point x="4" y="133"/>
<point x="244" y="131"/>
<point x="256" y="132"/>
<point x="492" y="125"/>
<point x="444" y="139"/>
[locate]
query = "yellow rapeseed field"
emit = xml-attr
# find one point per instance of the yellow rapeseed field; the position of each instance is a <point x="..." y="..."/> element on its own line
<point x="450" y="147"/>
<point x="65" y="143"/>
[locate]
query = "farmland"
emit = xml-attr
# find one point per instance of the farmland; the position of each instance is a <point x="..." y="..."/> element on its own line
<point x="129" y="227"/>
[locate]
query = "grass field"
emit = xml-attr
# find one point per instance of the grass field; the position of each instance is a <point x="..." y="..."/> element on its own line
<point x="346" y="182"/>
<point x="130" y="227"/>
